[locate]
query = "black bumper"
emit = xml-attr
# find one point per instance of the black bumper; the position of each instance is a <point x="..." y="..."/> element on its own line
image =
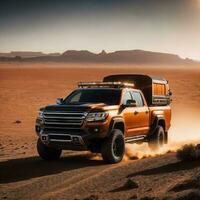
<point x="67" y="139"/>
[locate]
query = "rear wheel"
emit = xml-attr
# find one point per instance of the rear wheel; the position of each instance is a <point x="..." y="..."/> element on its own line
<point x="113" y="147"/>
<point x="47" y="153"/>
<point x="157" y="140"/>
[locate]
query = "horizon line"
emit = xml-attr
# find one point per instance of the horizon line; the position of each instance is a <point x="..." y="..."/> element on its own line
<point x="107" y="51"/>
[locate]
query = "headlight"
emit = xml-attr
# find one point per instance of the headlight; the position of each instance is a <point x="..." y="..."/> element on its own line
<point x="98" y="116"/>
<point x="40" y="114"/>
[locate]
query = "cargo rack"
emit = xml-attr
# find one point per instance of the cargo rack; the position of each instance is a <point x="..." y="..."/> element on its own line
<point x="105" y="84"/>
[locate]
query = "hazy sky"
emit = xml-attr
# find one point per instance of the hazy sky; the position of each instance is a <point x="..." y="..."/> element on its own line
<point x="58" y="25"/>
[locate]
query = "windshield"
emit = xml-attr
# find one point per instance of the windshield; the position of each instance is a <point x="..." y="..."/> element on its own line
<point x="108" y="96"/>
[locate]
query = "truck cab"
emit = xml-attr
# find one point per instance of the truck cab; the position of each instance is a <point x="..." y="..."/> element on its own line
<point x="103" y="116"/>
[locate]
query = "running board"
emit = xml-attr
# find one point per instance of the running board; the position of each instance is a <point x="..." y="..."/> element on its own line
<point x="135" y="138"/>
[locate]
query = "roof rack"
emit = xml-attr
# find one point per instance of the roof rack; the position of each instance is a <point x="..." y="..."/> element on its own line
<point x="105" y="84"/>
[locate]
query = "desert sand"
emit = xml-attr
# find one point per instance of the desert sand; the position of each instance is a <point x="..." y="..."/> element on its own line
<point x="25" y="87"/>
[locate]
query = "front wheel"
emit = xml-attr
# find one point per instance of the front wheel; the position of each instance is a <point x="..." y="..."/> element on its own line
<point x="157" y="140"/>
<point x="113" y="147"/>
<point x="47" y="153"/>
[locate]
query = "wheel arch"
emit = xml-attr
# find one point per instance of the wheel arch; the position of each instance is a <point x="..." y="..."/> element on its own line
<point x="117" y="123"/>
<point x="158" y="121"/>
<point x="161" y="122"/>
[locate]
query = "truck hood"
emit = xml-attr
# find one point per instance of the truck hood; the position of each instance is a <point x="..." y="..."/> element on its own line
<point x="79" y="108"/>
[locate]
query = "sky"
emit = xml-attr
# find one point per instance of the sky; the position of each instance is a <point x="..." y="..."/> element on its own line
<point x="171" y="26"/>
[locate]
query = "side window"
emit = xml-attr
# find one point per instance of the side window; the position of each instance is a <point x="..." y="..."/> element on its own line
<point x="138" y="98"/>
<point x="159" y="89"/>
<point x="127" y="96"/>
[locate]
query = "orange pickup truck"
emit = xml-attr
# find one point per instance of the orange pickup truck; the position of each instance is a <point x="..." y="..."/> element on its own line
<point x="103" y="116"/>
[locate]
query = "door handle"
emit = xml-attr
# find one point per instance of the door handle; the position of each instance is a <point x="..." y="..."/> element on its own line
<point x="146" y="111"/>
<point x="136" y="112"/>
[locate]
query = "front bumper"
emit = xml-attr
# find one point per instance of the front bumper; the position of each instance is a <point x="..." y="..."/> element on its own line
<point x="63" y="141"/>
<point x="72" y="139"/>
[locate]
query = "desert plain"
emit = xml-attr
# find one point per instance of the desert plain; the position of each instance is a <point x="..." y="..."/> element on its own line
<point x="25" y="87"/>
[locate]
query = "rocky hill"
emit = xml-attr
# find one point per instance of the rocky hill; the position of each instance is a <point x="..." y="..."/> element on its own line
<point x="126" y="56"/>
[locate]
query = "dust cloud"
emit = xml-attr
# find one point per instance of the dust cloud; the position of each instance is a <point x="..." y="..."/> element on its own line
<point x="185" y="129"/>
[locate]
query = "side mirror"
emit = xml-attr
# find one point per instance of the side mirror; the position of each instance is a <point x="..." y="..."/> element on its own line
<point x="131" y="103"/>
<point x="59" y="100"/>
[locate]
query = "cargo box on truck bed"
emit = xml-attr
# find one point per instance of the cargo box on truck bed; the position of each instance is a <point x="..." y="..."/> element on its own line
<point x="156" y="90"/>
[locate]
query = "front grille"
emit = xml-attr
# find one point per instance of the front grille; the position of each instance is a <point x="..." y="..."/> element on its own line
<point x="63" y="120"/>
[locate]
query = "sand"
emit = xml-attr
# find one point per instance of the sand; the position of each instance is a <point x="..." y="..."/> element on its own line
<point x="26" y="87"/>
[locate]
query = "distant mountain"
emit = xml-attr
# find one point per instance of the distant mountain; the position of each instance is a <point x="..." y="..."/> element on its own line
<point x="129" y="56"/>
<point x="26" y="54"/>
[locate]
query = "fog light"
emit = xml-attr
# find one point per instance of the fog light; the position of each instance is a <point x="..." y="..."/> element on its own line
<point x="75" y="139"/>
<point x="44" y="137"/>
<point x="96" y="130"/>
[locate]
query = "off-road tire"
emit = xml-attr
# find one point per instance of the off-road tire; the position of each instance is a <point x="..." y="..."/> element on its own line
<point x="113" y="147"/>
<point x="47" y="153"/>
<point x="157" y="140"/>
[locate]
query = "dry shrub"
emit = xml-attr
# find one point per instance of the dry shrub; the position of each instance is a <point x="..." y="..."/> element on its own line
<point x="189" y="152"/>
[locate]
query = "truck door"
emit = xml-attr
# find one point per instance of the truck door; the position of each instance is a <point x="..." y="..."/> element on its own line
<point x="128" y="114"/>
<point x="141" y="115"/>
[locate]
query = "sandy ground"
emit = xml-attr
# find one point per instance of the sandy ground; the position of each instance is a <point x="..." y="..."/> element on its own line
<point x="26" y="87"/>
